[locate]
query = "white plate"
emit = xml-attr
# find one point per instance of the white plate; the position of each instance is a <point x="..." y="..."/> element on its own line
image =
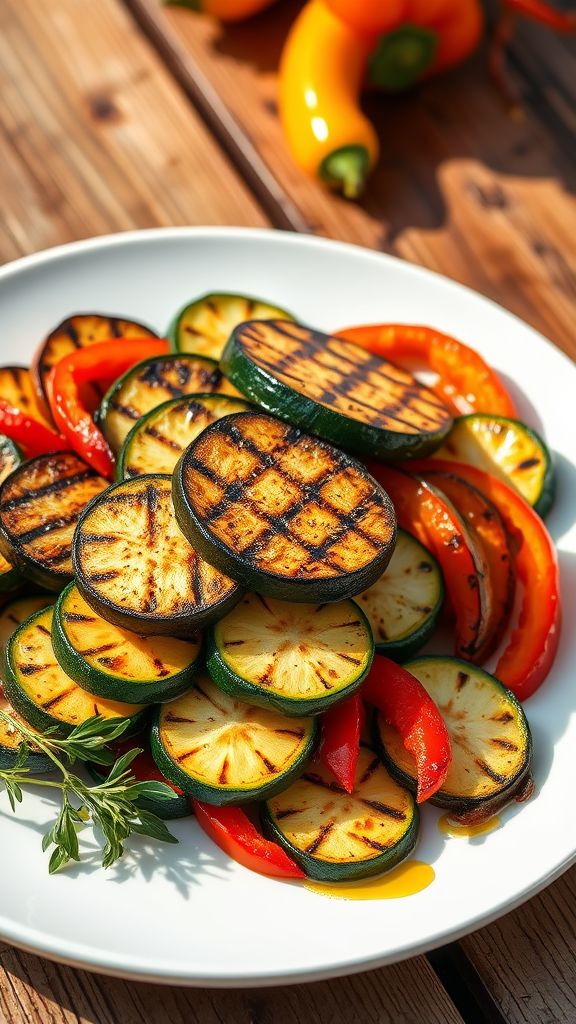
<point x="187" y="914"/>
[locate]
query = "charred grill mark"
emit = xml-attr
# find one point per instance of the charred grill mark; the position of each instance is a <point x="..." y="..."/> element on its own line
<point x="462" y="679"/>
<point x="98" y="538"/>
<point x="115" y="328"/>
<point x="264" y="603"/>
<point x="234" y="643"/>
<point x="189" y="753"/>
<point x="151" y="498"/>
<point x="194" y="577"/>
<point x="504" y="716"/>
<point x="385" y="809"/>
<point x="223" y="776"/>
<point x="64" y="555"/>
<point x="317" y="842"/>
<point x="528" y="463"/>
<point x="58" y="698"/>
<point x="288" y="813"/>
<point x="103" y="577"/>
<point x="181" y="721"/>
<point x="47" y="527"/>
<point x="71" y="333"/>
<point x="42" y="629"/>
<point x="505" y="744"/>
<point x="125" y="410"/>
<point x="325" y="683"/>
<point x="290" y="732"/>
<point x="31" y="670"/>
<point x="317" y="780"/>
<point x="211" y="305"/>
<point x="77" y="617"/>
<point x="371" y="768"/>
<point x="210" y="701"/>
<point x="162" y="439"/>
<point x="48" y="489"/>
<point x="343" y="625"/>
<point x="269" y="766"/>
<point x="372" y="843"/>
<point x="495" y="776"/>
<point x="348" y="657"/>
<point x="90" y="651"/>
<point x="115" y="663"/>
<point x="161" y="669"/>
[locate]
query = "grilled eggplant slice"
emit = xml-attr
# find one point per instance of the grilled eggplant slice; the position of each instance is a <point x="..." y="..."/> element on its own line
<point x="226" y="752"/>
<point x="285" y="514"/>
<point x="151" y="383"/>
<point x="11" y="740"/>
<point x="204" y="326"/>
<point x="335" y="389"/>
<point x="135" y="568"/>
<point x="79" y="331"/>
<point x="17" y="387"/>
<point x="298" y="658"/>
<point x="491" y="743"/>
<point x="509" y="450"/>
<point x="115" y="663"/>
<point x="403" y="606"/>
<point x="336" y="836"/>
<point x="40" y="504"/>
<point x="158" y="439"/>
<point x="41" y="691"/>
<point x="16" y="612"/>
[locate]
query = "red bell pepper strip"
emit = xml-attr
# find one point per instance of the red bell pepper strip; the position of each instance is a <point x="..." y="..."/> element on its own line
<point x="466" y="383"/>
<point x="341" y="727"/>
<point x="486" y="525"/>
<point x="408" y="708"/>
<point x="33" y="437"/>
<point x="431" y="519"/>
<point x="103" y="364"/>
<point x="533" y="643"/>
<point x="233" y="832"/>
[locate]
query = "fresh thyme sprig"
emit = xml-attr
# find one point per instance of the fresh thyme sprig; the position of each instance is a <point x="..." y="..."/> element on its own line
<point x="112" y="804"/>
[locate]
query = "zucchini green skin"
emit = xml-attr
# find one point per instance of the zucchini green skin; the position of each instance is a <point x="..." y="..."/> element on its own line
<point x="11" y="580"/>
<point x="216" y="795"/>
<point x="482" y="807"/>
<point x="35" y="763"/>
<point x="323" y="871"/>
<point x="103" y="684"/>
<point x="168" y="810"/>
<point x="243" y="689"/>
<point x="173" y="332"/>
<point x="289" y="405"/>
<point x="9" y="453"/>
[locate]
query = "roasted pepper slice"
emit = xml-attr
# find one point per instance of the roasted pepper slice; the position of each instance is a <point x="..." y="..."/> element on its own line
<point x="466" y="383"/>
<point x="33" y="437"/>
<point x="233" y="832"/>
<point x="434" y="522"/>
<point x="408" y="708"/>
<point x="101" y="363"/>
<point x="533" y="643"/>
<point x="341" y="728"/>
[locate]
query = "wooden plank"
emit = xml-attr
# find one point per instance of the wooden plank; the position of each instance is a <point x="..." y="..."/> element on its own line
<point x="94" y="134"/>
<point x="528" y="958"/>
<point x="34" y="991"/>
<point x="462" y="187"/>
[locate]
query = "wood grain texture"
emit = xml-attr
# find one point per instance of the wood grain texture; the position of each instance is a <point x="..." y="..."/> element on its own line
<point x="528" y="959"/>
<point x="102" y="140"/>
<point x="462" y="187"/>
<point x="35" y="991"/>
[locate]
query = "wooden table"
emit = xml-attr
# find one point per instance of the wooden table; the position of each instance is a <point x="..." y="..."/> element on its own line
<point x="116" y="114"/>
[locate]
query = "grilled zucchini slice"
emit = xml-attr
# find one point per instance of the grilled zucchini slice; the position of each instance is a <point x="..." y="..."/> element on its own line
<point x="41" y="691"/>
<point x="11" y="740"/>
<point x="135" y="568"/>
<point x="79" y="331"/>
<point x="298" y="658"/>
<point x="509" y="450"/>
<point x="223" y="751"/>
<point x="491" y="743"/>
<point x="335" y="389"/>
<point x="151" y="383"/>
<point x="115" y="663"/>
<point x="144" y="769"/>
<point x="158" y="439"/>
<point x="403" y="606"/>
<point x="14" y="614"/>
<point x="336" y="836"/>
<point x="17" y="387"/>
<point x="10" y="458"/>
<point x="204" y="326"/>
<point x="285" y="514"/>
<point x="40" y="504"/>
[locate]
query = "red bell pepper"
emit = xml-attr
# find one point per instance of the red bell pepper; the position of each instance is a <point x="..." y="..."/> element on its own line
<point x="424" y="513"/>
<point x="341" y="727"/>
<point x="486" y="525"/>
<point x="533" y="643"/>
<point x="33" y="437"/>
<point x="465" y="383"/>
<point x="143" y="767"/>
<point x="103" y="364"/>
<point x="233" y="832"/>
<point x="408" y="708"/>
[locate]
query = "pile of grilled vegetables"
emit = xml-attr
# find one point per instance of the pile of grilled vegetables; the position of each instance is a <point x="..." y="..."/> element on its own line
<point x="239" y="577"/>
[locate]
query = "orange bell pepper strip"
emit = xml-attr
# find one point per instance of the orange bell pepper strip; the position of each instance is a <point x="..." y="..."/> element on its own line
<point x="223" y="10"/>
<point x="231" y="829"/>
<point x="408" y="708"/>
<point x="466" y="383"/>
<point x="102" y="363"/>
<point x="341" y="727"/>
<point x="533" y="643"/>
<point x="424" y="512"/>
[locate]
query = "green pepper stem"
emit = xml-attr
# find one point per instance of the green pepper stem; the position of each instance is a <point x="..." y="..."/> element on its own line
<point x="346" y="170"/>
